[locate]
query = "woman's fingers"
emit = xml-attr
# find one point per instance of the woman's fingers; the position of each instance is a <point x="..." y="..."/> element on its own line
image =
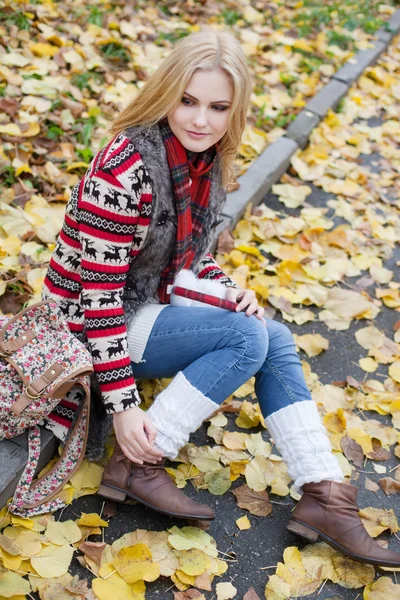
<point x="150" y="430"/>
<point x="252" y="308"/>
<point x="260" y="313"/>
<point x="144" y="450"/>
<point x="131" y="455"/>
<point x="247" y="298"/>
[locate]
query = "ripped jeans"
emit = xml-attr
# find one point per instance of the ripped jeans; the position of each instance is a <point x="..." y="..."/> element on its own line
<point x="218" y="350"/>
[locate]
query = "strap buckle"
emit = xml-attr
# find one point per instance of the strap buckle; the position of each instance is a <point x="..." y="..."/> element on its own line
<point x="31" y="396"/>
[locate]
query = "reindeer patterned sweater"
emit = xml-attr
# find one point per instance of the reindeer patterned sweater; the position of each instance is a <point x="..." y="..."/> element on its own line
<point x="105" y="226"/>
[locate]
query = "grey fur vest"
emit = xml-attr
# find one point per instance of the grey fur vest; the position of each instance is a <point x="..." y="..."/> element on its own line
<point x="157" y="251"/>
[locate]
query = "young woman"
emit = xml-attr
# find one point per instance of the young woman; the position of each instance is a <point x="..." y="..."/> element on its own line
<point x="146" y="210"/>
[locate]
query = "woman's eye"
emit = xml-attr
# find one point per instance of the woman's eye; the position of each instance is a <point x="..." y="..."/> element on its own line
<point x="185" y="100"/>
<point x="220" y="108"/>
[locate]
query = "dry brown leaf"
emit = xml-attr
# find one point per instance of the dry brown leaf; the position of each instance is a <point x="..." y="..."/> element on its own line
<point x="390" y="485"/>
<point x="189" y="595"/>
<point x="257" y="503"/>
<point x="352" y="450"/>
<point x="251" y="595"/>
<point x="371" y="485"/>
<point x="93" y="550"/>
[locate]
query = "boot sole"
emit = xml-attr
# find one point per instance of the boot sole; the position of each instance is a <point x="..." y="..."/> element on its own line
<point x="311" y="534"/>
<point x="117" y="495"/>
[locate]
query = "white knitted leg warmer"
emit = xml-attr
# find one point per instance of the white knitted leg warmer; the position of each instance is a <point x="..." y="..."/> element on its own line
<point x="178" y="411"/>
<point x="303" y="443"/>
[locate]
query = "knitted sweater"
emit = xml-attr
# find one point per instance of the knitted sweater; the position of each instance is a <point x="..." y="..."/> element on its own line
<point x="106" y="224"/>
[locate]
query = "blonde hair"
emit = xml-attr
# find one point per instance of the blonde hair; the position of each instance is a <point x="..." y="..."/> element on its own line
<point x="162" y="92"/>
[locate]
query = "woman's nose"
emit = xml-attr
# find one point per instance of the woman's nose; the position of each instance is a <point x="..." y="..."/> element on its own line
<point x="200" y="118"/>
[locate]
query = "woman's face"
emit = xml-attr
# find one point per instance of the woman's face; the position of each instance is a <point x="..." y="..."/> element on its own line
<point x="202" y="116"/>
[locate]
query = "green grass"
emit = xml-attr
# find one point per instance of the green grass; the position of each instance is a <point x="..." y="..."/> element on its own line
<point x="171" y="36"/>
<point x="84" y="80"/>
<point x="115" y="51"/>
<point x="230" y="16"/>
<point x="96" y="16"/>
<point x="317" y="15"/>
<point x="308" y="64"/>
<point x="8" y="176"/>
<point x="85" y="154"/>
<point x="16" y="18"/>
<point x="54" y="132"/>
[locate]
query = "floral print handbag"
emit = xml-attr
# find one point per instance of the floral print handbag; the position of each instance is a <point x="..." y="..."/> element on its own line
<point x="42" y="363"/>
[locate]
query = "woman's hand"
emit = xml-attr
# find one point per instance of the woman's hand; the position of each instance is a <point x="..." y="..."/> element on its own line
<point x="246" y="301"/>
<point x="136" y="434"/>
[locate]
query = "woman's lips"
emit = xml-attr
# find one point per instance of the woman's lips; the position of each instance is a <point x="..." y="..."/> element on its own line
<point x="196" y="135"/>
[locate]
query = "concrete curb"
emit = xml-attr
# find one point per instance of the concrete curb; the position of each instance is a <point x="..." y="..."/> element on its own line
<point x="273" y="162"/>
<point x="14" y="456"/>
<point x="266" y="170"/>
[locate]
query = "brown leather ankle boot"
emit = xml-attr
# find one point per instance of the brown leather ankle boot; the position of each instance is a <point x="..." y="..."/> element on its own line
<point x="328" y="510"/>
<point x="150" y="485"/>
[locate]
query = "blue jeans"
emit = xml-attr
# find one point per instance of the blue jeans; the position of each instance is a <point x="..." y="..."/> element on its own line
<point x="218" y="350"/>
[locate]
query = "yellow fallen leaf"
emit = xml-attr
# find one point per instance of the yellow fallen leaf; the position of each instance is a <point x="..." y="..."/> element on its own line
<point x="394" y="371"/>
<point x="63" y="532"/>
<point x="344" y="464"/>
<point x="116" y="588"/>
<point x="376" y="520"/>
<point x="87" y="476"/>
<point x="218" y="482"/>
<point x="368" y="364"/>
<point x="206" y="459"/>
<point x="14" y="59"/>
<point x="44" y="50"/>
<point x="346" y="304"/>
<point x="352" y="574"/>
<point x="193" y="561"/>
<point x="11" y="129"/>
<point x="184" y="473"/>
<point x="380" y="274"/>
<point x="244" y="231"/>
<point x="277" y="588"/>
<point x="184" y="578"/>
<point x="382" y="589"/>
<point x="135" y="563"/>
<point x="234" y="440"/>
<point x="192" y="537"/>
<point x="32" y="130"/>
<point x="12" y="584"/>
<point x="91" y="520"/>
<point x="259" y="473"/>
<point x="53" y="561"/>
<point x="362" y="438"/>
<point x="249" y="416"/>
<point x="290" y="195"/>
<point x="312" y="344"/>
<point x="11" y="245"/>
<point x="10" y="561"/>
<point x="29" y="542"/>
<point x="370" y="337"/>
<point x="157" y="541"/>
<point x="255" y="444"/>
<point x="225" y="591"/>
<point x="25" y="168"/>
<point x="243" y="523"/>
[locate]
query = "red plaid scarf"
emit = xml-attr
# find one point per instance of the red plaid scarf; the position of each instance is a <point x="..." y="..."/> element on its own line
<point x="191" y="202"/>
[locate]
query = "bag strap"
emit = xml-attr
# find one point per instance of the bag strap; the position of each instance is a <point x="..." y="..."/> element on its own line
<point x="37" y="498"/>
